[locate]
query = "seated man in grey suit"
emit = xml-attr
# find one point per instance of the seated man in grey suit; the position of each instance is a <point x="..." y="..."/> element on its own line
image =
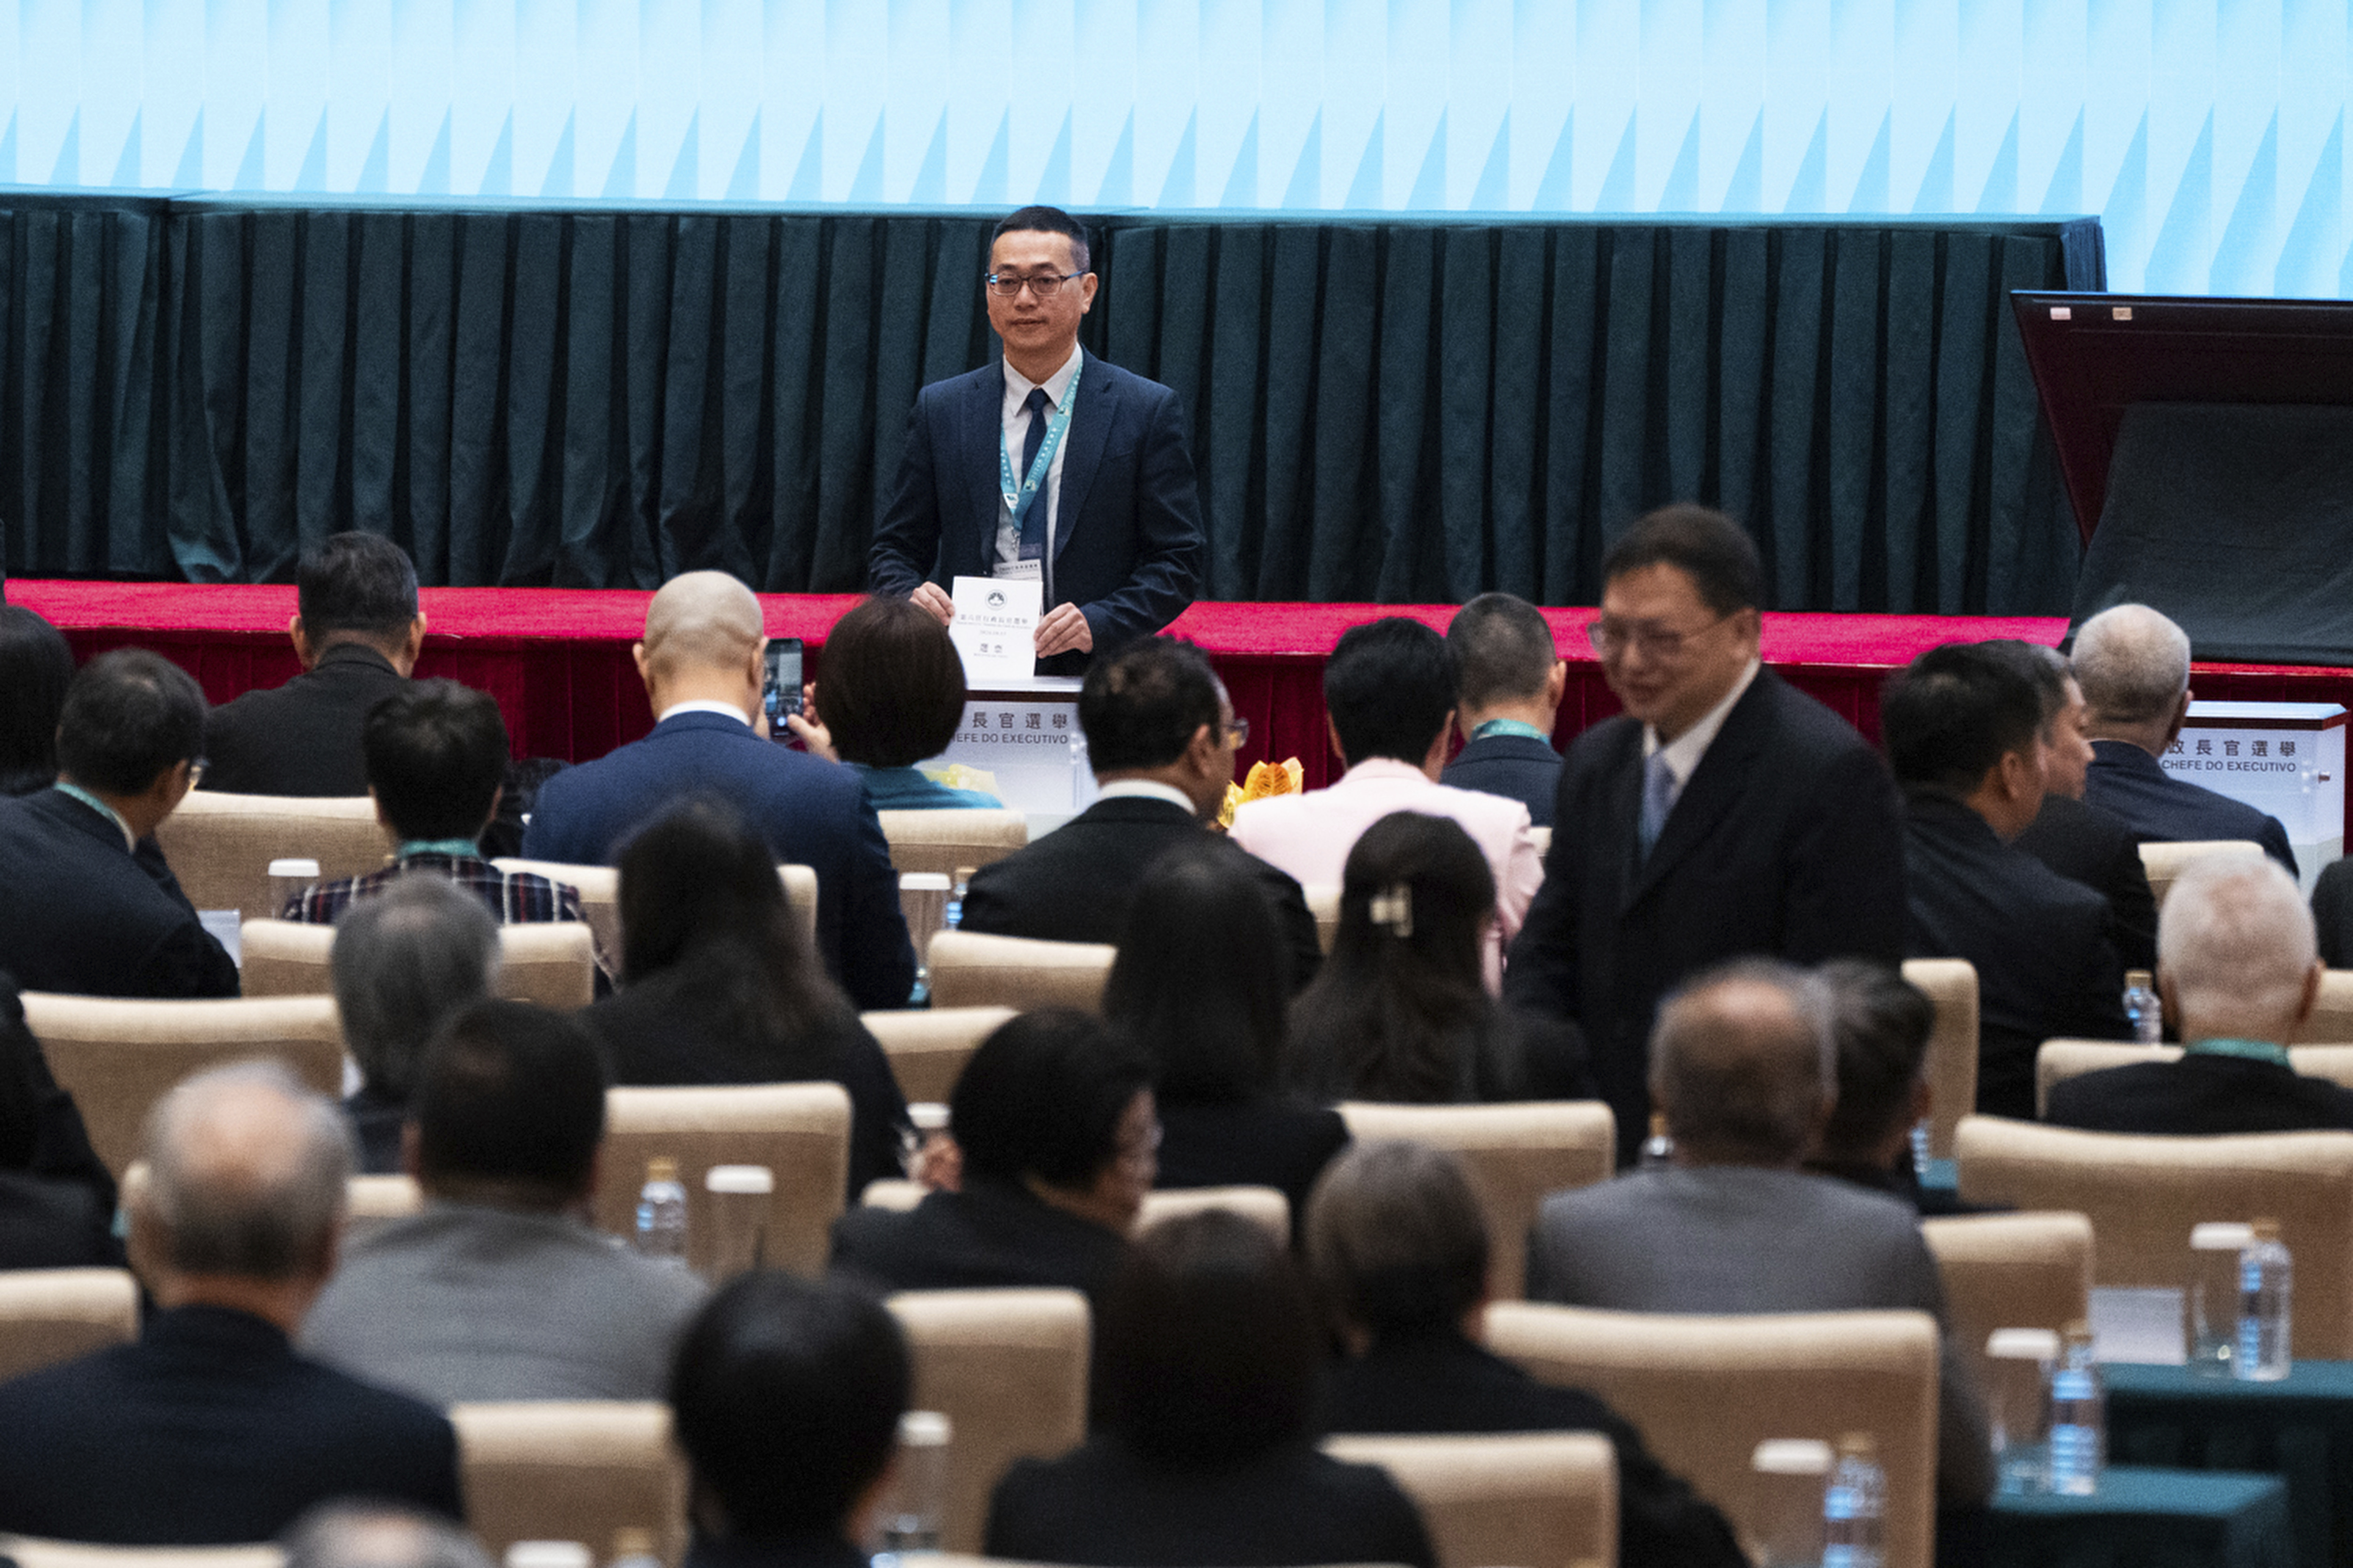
<point x="499" y="1290"/>
<point x="1742" y="1065"/>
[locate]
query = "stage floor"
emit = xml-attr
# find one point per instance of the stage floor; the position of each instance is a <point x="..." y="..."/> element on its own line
<point x="558" y="660"/>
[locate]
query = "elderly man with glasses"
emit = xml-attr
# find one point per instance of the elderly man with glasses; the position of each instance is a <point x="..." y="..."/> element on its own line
<point x="1048" y="464"/>
<point x="1723" y="814"/>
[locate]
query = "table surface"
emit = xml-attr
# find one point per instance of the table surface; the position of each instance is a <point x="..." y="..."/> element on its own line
<point x="2307" y="1379"/>
<point x="2145" y="1490"/>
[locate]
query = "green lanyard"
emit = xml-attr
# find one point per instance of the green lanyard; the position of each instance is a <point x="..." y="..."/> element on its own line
<point x="2247" y="1050"/>
<point x="460" y="848"/>
<point x="97" y="805"/>
<point x="1510" y="726"/>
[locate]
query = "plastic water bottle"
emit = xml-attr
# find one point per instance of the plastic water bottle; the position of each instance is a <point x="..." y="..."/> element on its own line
<point x="1922" y="1149"/>
<point x="2079" y="1417"/>
<point x="1659" y="1148"/>
<point x="955" y="915"/>
<point x="2143" y="1006"/>
<point x="919" y="1494"/>
<point x="2266" y="1283"/>
<point x="1854" y="1505"/>
<point x="661" y="1213"/>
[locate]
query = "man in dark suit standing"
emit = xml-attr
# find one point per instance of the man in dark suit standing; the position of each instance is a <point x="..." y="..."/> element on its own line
<point x="209" y="1431"/>
<point x="1725" y="813"/>
<point x="1161" y="735"/>
<point x="2134" y="665"/>
<point x="701" y="662"/>
<point x="1512" y="678"/>
<point x="2239" y="972"/>
<point x="357" y="631"/>
<point x="1961" y="726"/>
<point x="90" y="911"/>
<point x="1049" y="464"/>
<point x="2081" y="842"/>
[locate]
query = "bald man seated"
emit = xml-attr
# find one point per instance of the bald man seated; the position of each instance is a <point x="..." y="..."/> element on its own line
<point x="210" y="1430"/>
<point x="1744" y="1066"/>
<point x="701" y="662"/>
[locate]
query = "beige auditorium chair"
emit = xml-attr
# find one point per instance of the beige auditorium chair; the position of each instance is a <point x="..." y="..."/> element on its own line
<point x="1518" y="1152"/>
<point x="1542" y="838"/>
<point x="1704" y="1391"/>
<point x="2334" y="1063"/>
<point x="117" y="1057"/>
<point x="372" y="1202"/>
<point x="2163" y="862"/>
<point x="554" y="964"/>
<point x="942" y="841"/>
<point x="1008" y="1369"/>
<point x="28" y="1551"/>
<point x="2011" y="1271"/>
<point x="2331" y="1022"/>
<point x="49" y="1315"/>
<point x="800" y="1131"/>
<point x="1263" y="1207"/>
<point x="220" y="845"/>
<point x="893" y="1192"/>
<point x="2056" y="1061"/>
<point x="600" y="897"/>
<point x="570" y="1471"/>
<point x="1324" y="903"/>
<point x="969" y="970"/>
<point x="1951" y="984"/>
<point x="928" y="1047"/>
<point x="1540" y="1499"/>
<point x="2143" y="1194"/>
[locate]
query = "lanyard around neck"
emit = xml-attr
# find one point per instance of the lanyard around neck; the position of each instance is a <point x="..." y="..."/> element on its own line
<point x="99" y="806"/>
<point x="1019" y="498"/>
<point x="1519" y="727"/>
<point x="2246" y="1050"/>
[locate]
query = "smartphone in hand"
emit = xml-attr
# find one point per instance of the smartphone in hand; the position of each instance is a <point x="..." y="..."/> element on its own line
<point x="780" y="691"/>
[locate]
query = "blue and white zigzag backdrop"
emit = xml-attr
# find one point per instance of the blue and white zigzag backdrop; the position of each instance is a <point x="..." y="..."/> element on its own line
<point x="2208" y="134"/>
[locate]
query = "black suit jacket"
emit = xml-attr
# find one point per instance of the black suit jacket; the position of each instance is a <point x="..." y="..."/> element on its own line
<point x="1267" y="1142"/>
<point x="108" y="924"/>
<point x="1513" y="766"/>
<point x="810" y="1551"/>
<point x="209" y="1431"/>
<point x="2040" y="942"/>
<point x="2086" y="843"/>
<point x="302" y="738"/>
<point x="1441" y="1383"/>
<point x="2332" y="911"/>
<point x="2157" y="807"/>
<point x="1786" y="840"/>
<point x="1103" y="1503"/>
<point x="1078" y="883"/>
<point x="1128" y="542"/>
<point x="992" y="1233"/>
<point x="2201" y="1094"/>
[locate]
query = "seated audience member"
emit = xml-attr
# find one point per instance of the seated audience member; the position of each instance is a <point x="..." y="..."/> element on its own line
<point x="1398" y="1012"/>
<point x="1960" y="725"/>
<point x="1880" y="1024"/>
<point x="56" y="1196"/>
<point x="499" y="1288"/>
<point x="1389" y="693"/>
<point x="357" y="631"/>
<point x="701" y="662"/>
<point x="1053" y="1120"/>
<point x="1743" y="1067"/>
<point x="719" y="985"/>
<point x="378" y="1535"/>
<point x="1204" y="1449"/>
<point x="786" y="1399"/>
<point x="435" y="753"/>
<point x="113" y="920"/>
<point x="892" y="696"/>
<point x="2134" y="665"/>
<point x="403" y="963"/>
<point x="35" y="667"/>
<point x="2332" y="912"/>
<point x="1397" y="1245"/>
<point x="210" y="1430"/>
<point x="1160" y="736"/>
<point x="2236" y="967"/>
<point x="2083" y="843"/>
<point x="1200" y="984"/>
<point x="1512" y="681"/>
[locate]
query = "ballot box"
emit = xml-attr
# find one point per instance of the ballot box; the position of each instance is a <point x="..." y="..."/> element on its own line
<point x="2284" y="759"/>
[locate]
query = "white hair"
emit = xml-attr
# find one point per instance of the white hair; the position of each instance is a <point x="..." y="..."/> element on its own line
<point x="2133" y="665"/>
<point x="2236" y="940"/>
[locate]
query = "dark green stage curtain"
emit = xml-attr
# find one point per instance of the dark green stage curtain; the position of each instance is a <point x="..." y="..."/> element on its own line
<point x="1383" y="408"/>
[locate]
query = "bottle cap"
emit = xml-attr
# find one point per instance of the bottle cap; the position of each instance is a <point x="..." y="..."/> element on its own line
<point x="1792" y="1457"/>
<point x="633" y="1541"/>
<point x="2265" y="1229"/>
<point x="964" y="873"/>
<point x="2078" y="1332"/>
<point x="294" y="867"/>
<point x="2221" y="1235"/>
<point x="755" y="1180"/>
<point x="1857" y="1445"/>
<point x="928" y="1115"/>
<point x="2022" y="1344"/>
<point x="923" y="1429"/>
<point x="923" y="882"/>
<point x="661" y="1168"/>
<point x="549" y="1554"/>
<point x="2139" y="980"/>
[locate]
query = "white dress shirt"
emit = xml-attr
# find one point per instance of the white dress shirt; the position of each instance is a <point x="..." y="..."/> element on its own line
<point x="1683" y="752"/>
<point x="701" y="705"/>
<point x="1018" y="387"/>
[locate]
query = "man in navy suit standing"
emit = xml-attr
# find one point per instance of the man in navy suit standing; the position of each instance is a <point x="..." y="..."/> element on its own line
<point x="700" y="662"/>
<point x="1049" y="464"/>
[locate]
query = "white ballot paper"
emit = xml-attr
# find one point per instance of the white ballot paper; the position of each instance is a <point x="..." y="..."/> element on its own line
<point x="996" y="627"/>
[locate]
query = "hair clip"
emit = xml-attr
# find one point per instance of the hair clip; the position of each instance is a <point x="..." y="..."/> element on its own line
<point x="1393" y="907"/>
